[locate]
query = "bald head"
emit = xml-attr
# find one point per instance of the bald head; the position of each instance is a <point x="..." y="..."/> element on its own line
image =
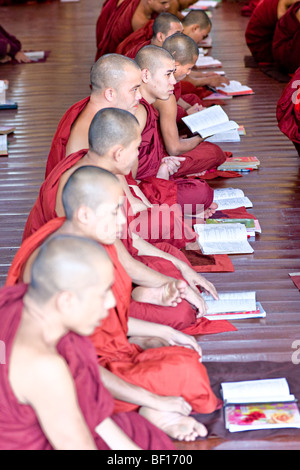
<point x="111" y="70"/>
<point x="88" y="186"/>
<point x="197" y="17"/>
<point x="110" y="127"/>
<point x="152" y="58"/>
<point x="183" y="48"/>
<point x="67" y="264"/>
<point x="165" y="22"/>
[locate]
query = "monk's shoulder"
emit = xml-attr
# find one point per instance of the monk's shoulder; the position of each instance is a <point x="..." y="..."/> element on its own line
<point x="141" y="115"/>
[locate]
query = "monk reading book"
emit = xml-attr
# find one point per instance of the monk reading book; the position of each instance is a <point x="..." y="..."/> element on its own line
<point x="167" y="260"/>
<point x="115" y="82"/>
<point x="92" y="203"/>
<point x="64" y="405"/>
<point x="158" y="67"/>
<point x="288" y="111"/>
<point x="119" y="18"/>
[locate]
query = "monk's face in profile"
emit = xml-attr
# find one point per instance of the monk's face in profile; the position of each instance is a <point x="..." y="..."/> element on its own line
<point x="159" y="6"/>
<point x="198" y="34"/>
<point x="162" y="81"/>
<point x="128" y="156"/>
<point x="174" y="28"/>
<point x="107" y="221"/>
<point x="128" y="94"/>
<point x="91" y="304"/>
<point x="183" y="70"/>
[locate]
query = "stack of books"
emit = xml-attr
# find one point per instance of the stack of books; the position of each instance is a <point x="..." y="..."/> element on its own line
<point x="240" y="164"/>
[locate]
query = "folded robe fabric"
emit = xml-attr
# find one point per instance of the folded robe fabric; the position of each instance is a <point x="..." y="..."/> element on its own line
<point x="288" y="110"/>
<point x="62" y="134"/>
<point x="19" y="425"/>
<point x="260" y="31"/>
<point x="8" y="41"/>
<point x="286" y="41"/>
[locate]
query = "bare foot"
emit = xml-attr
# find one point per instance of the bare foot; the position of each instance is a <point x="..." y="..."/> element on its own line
<point x="168" y="295"/>
<point x="175" y="425"/>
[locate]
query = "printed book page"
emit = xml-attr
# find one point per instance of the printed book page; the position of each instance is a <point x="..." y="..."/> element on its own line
<point x="235" y="87"/>
<point x="256" y="391"/>
<point x="228" y="136"/>
<point x="223" y="239"/>
<point x="209" y="121"/>
<point x="231" y="198"/>
<point x="207" y="61"/>
<point x="231" y="302"/>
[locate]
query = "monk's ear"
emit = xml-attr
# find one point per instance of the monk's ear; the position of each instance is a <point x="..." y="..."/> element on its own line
<point x="146" y="75"/>
<point x="64" y="302"/>
<point x="160" y="37"/>
<point x="82" y="214"/>
<point x="109" y="94"/>
<point x="117" y="153"/>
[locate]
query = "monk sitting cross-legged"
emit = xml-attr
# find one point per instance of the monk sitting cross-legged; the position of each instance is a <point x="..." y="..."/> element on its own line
<point x="158" y="68"/>
<point x="51" y="394"/>
<point x="93" y="200"/>
<point x="114" y="138"/>
<point x="119" y="18"/>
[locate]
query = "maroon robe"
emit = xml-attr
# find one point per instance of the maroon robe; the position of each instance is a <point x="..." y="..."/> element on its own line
<point x="286" y="42"/>
<point x="152" y="150"/>
<point x="62" y="134"/>
<point x="136" y="40"/>
<point x="260" y="31"/>
<point x="8" y="39"/>
<point x="288" y="110"/>
<point x="19" y="425"/>
<point x="114" y="25"/>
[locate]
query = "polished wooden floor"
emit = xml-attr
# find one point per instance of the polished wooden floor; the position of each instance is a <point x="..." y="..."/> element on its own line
<point x="44" y="91"/>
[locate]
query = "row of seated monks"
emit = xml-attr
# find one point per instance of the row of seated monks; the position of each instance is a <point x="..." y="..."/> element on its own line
<point x="102" y="305"/>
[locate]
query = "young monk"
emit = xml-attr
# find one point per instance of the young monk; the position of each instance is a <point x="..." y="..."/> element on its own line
<point x="115" y="82"/>
<point x="92" y="201"/>
<point x="288" y="111"/>
<point x="109" y="130"/>
<point x="119" y="18"/>
<point x="164" y="25"/>
<point x="51" y="394"/>
<point x="158" y="67"/>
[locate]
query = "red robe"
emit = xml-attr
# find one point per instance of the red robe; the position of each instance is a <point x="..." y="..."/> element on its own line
<point x="136" y="40"/>
<point x="286" y="42"/>
<point x="19" y="425"/>
<point x="204" y="157"/>
<point x="61" y="137"/>
<point x="114" y="25"/>
<point x="288" y="110"/>
<point x="248" y="9"/>
<point x="164" y="371"/>
<point x="260" y="31"/>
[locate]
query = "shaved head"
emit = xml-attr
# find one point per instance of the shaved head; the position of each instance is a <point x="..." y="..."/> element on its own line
<point x="88" y="186"/>
<point x="163" y="22"/>
<point x="182" y="48"/>
<point x="110" y="71"/>
<point x="197" y="17"/>
<point x="67" y="264"/>
<point x="152" y="58"/>
<point x="110" y="127"/>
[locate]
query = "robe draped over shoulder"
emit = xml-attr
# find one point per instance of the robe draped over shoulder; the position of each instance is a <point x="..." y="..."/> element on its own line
<point x="62" y="134"/>
<point x="288" y="110"/>
<point x="286" y="42"/>
<point x="136" y="40"/>
<point x="19" y="425"/>
<point x="260" y="31"/>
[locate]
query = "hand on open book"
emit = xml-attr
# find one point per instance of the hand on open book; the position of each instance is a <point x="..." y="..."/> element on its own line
<point x="21" y="57"/>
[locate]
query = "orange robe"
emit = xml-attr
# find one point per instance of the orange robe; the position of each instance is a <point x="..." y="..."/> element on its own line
<point x="167" y="371"/>
<point x="19" y="426"/>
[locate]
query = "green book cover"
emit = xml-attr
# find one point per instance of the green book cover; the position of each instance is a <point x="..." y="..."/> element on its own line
<point x="249" y="223"/>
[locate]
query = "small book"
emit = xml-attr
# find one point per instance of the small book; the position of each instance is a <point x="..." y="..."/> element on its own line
<point x="7" y="129"/>
<point x="240" y="163"/>
<point x="233" y="305"/>
<point x="231" y="198"/>
<point x="35" y="55"/>
<point x="235" y="88"/>
<point x="252" y="225"/>
<point x="258" y="313"/>
<point x="223" y="239"/>
<point x="9" y="104"/>
<point x="259" y="404"/>
<point x="210" y="121"/>
<point x="3" y="145"/>
<point x="207" y="61"/>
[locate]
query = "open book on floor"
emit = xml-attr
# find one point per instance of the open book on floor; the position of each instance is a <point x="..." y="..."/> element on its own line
<point x="259" y="404"/>
<point x="7" y="129"/>
<point x="223" y="239"/>
<point x="235" y="88"/>
<point x="209" y="121"/>
<point x="206" y="61"/>
<point x="233" y="306"/>
<point x="252" y="225"/>
<point x="3" y="145"/>
<point x="231" y="198"/>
